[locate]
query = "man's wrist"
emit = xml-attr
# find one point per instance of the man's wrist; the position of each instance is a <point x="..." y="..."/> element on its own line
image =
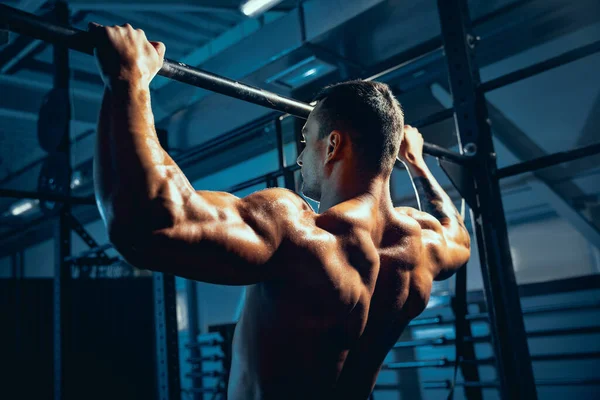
<point x="127" y="85"/>
<point x="417" y="167"/>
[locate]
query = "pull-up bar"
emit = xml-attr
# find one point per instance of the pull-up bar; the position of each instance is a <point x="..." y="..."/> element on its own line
<point x="34" y="26"/>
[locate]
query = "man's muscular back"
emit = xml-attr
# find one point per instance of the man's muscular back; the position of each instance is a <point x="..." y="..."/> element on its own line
<point x="333" y="291"/>
<point x="357" y="275"/>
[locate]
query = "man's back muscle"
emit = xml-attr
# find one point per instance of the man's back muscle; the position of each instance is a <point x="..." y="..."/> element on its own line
<point x="349" y="292"/>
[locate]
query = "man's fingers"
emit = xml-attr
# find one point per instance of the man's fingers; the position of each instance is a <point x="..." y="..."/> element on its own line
<point x="160" y="48"/>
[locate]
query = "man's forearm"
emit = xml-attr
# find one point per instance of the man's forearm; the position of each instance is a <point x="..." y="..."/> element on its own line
<point x="431" y="197"/>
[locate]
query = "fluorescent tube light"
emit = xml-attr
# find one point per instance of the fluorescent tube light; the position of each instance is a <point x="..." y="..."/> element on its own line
<point x="254" y="8"/>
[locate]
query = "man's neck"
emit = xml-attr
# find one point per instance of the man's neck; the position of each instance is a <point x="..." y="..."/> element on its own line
<point x="375" y="191"/>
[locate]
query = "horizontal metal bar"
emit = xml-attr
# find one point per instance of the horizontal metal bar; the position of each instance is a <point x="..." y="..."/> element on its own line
<point x="567" y="382"/>
<point x="548" y="161"/>
<point x="567" y="356"/>
<point x="542" y="309"/>
<point x="31" y="25"/>
<point x="90" y="252"/>
<point x="438" y="319"/>
<point x="442" y="362"/>
<point x="543" y="66"/>
<point x="263" y="178"/>
<point x="199" y="360"/>
<point x="446" y="384"/>
<point x="439" y="341"/>
<point x="444" y="341"/>
<point x="203" y="390"/>
<point x="22" y="194"/>
<point x="205" y="374"/>
<point x="584" y="330"/>
<point x="209" y="343"/>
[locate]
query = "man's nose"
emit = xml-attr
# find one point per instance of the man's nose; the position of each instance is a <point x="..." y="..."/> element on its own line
<point x="299" y="159"/>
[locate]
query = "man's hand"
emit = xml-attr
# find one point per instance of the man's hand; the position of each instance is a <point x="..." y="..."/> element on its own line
<point x="124" y="54"/>
<point x="411" y="148"/>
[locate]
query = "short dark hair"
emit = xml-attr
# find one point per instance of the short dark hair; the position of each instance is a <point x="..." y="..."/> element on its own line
<point x="370" y="114"/>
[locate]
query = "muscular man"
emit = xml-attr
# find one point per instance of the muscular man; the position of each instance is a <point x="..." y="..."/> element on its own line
<point x="331" y="291"/>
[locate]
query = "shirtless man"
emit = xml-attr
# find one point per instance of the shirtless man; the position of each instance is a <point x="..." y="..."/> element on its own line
<point x="331" y="291"/>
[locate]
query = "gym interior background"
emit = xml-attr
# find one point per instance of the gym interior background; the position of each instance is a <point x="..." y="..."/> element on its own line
<point x="538" y="63"/>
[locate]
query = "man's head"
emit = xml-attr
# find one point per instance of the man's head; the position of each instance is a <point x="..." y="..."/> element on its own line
<point x="356" y="123"/>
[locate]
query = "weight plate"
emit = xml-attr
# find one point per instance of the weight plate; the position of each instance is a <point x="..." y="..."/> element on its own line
<point x="54" y="179"/>
<point x="54" y="119"/>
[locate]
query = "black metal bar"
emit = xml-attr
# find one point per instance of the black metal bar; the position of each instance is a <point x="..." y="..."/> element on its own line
<point x="193" y="331"/>
<point x="483" y="316"/>
<point x="462" y="328"/>
<point x="22" y="194"/>
<point x="567" y="382"/>
<point x="444" y="341"/>
<point x="34" y="26"/>
<point x="440" y="341"/>
<point x="199" y="360"/>
<point x="62" y="297"/>
<point x="446" y="384"/>
<point x="445" y="363"/>
<point x="548" y="161"/>
<point x="514" y="367"/>
<point x="567" y="356"/>
<point x="31" y="25"/>
<point x="554" y="62"/>
<point x="541" y="310"/>
<point x="167" y="360"/>
<point x="584" y="330"/>
<point x="87" y="238"/>
<point x="210" y="343"/>
<point x="202" y="390"/>
<point x="205" y="374"/>
<point x="90" y="252"/>
<point x="437" y="363"/>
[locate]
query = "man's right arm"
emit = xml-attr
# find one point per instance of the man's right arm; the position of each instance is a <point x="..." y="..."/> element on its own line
<point x="444" y="234"/>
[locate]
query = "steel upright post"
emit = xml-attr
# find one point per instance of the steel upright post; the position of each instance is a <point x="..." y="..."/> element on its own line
<point x="515" y="373"/>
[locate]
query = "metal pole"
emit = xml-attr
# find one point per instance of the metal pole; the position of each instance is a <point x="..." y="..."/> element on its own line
<point x="554" y="62"/>
<point x="288" y="175"/>
<point x="194" y="331"/>
<point x="548" y="161"/>
<point x="62" y="237"/>
<point x="515" y="372"/>
<point x="31" y="25"/>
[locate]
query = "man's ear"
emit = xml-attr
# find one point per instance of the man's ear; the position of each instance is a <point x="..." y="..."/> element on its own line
<point x="334" y="145"/>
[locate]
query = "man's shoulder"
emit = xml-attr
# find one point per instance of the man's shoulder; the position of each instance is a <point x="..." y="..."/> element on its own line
<point x="280" y="199"/>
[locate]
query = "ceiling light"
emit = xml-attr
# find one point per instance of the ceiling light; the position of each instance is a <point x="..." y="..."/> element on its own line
<point x="310" y="72"/>
<point x="22" y="207"/>
<point x="254" y="8"/>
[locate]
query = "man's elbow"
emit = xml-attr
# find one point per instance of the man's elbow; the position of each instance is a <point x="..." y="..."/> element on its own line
<point x="445" y="274"/>
<point x="135" y="245"/>
<point x="458" y="256"/>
